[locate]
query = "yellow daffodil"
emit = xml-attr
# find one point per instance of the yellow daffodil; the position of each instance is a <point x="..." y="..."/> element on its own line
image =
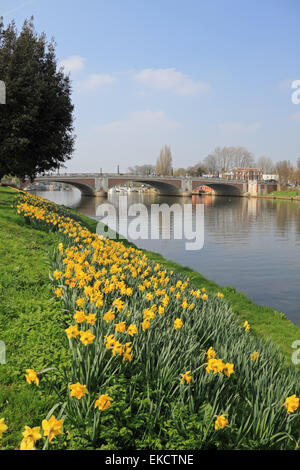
<point x="79" y="316"/>
<point x="132" y="330"/>
<point x="103" y="402"/>
<point x="254" y="356"/>
<point x="110" y="341"/>
<point x="215" y="365"/>
<point x="161" y="310"/>
<point x="91" y="318"/>
<point x="145" y="324"/>
<point x="52" y="427"/>
<point x="32" y="376"/>
<point x="80" y="302"/>
<point x="178" y="323"/>
<point x="86" y="337"/>
<point x="72" y="331"/>
<point x="30" y="436"/>
<point x="184" y="304"/>
<point x="186" y="377"/>
<point x="27" y="444"/>
<point x="59" y="292"/>
<point x="221" y="421"/>
<point x="78" y="390"/>
<point x="228" y="369"/>
<point x="109" y="316"/>
<point x="211" y="353"/>
<point x="291" y="403"/>
<point x="121" y="327"/>
<point x="3" y="427"/>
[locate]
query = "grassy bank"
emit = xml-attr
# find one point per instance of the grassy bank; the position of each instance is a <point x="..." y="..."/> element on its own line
<point x="289" y="194"/>
<point x="265" y="321"/>
<point x="151" y="407"/>
<point x="30" y="320"/>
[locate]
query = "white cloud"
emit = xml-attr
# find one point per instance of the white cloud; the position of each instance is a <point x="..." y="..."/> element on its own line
<point x="172" y="80"/>
<point x="239" y="128"/>
<point x="73" y="63"/>
<point x="94" y="82"/>
<point x="134" y="140"/>
<point x="145" y="121"/>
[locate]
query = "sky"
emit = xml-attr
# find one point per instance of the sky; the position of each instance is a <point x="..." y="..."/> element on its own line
<point x="191" y="74"/>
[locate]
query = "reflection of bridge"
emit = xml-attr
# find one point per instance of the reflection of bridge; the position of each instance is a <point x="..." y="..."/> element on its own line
<point x="96" y="184"/>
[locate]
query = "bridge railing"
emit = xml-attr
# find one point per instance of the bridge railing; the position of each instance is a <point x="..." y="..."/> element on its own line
<point x="144" y="177"/>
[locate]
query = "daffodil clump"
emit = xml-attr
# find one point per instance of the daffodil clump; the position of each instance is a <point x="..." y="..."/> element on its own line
<point x="130" y="317"/>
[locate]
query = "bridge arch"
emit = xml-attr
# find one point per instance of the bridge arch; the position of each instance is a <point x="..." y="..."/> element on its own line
<point x="225" y="189"/>
<point x="164" y="188"/>
<point x="85" y="188"/>
<point x="221" y="188"/>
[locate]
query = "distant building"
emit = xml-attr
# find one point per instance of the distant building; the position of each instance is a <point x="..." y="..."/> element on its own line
<point x="270" y="177"/>
<point x="244" y="174"/>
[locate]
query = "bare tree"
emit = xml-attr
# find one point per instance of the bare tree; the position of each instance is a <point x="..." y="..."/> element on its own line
<point x="297" y="172"/>
<point x="210" y="162"/>
<point x="224" y="158"/>
<point x="141" y="169"/>
<point x="266" y="164"/>
<point x="180" y="172"/>
<point x="241" y="157"/>
<point x="164" y="161"/>
<point x="285" y="172"/>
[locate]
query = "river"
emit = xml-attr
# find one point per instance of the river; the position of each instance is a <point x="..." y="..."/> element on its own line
<point x="250" y="244"/>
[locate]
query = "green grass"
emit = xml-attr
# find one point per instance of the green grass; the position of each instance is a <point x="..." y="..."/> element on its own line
<point x="289" y="193"/>
<point x="265" y="321"/>
<point x="252" y="397"/>
<point x="30" y="321"/>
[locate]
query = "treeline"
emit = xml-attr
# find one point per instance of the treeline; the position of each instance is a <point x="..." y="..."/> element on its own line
<point x="222" y="159"/>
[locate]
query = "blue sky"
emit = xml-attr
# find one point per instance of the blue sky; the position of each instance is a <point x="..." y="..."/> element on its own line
<point x="192" y="74"/>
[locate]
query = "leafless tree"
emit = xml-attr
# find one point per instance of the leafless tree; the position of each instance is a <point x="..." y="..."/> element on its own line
<point x="241" y="157"/>
<point x="266" y="164"/>
<point x="210" y="162"/>
<point x="141" y="169"/>
<point x="285" y="172"/>
<point x="224" y="158"/>
<point x="164" y="161"/>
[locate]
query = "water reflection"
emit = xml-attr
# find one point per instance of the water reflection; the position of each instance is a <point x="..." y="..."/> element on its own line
<point x="251" y="244"/>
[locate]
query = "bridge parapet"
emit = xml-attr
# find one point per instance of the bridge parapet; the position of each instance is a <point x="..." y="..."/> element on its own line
<point x="97" y="184"/>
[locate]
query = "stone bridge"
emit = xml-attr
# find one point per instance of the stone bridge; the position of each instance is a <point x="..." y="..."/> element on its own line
<point x="96" y="184"/>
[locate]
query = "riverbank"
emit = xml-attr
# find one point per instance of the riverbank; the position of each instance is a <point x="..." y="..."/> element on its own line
<point x="30" y="321"/>
<point x="285" y="195"/>
<point x="265" y="321"/>
<point x="41" y="329"/>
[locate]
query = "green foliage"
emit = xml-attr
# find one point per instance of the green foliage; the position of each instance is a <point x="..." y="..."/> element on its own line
<point x="150" y="408"/>
<point x="31" y="324"/>
<point x="36" y="124"/>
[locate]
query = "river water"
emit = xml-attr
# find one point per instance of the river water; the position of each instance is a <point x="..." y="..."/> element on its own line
<point x="250" y="244"/>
